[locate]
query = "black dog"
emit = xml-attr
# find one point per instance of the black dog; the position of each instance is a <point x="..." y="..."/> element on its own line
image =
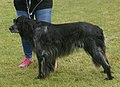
<point x="54" y="40"/>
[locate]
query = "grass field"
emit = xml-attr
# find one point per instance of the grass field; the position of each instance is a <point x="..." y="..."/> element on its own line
<point x="75" y="70"/>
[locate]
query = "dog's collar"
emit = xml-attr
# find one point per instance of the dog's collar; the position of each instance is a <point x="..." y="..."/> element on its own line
<point x="44" y="28"/>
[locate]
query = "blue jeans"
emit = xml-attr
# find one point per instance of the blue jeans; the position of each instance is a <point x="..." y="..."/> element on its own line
<point x="40" y="15"/>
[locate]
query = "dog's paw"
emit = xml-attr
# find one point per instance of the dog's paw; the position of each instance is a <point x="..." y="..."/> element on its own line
<point x="103" y="72"/>
<point x="109" y="78"/>
<point x="40" y="76"/>
<point x="37" y="77"/>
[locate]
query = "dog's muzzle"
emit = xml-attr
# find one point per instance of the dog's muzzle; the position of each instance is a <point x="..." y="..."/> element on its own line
<point x="13" y="29"/>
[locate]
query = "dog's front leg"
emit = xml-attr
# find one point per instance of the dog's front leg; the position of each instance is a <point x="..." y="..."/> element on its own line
<point x="44" y="66"/>
<point x="41" y="65"/>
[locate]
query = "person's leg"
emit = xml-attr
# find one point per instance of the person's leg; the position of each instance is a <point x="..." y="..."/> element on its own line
<point x="27" y="46"/>
<point x="45" y="15"/>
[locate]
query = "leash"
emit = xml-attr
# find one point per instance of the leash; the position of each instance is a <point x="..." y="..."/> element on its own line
<point x="28" y="4"/>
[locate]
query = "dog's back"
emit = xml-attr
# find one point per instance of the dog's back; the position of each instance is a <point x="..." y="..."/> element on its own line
<point x="74" y="27"/>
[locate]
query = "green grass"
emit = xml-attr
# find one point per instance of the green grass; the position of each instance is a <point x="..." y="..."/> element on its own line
<point x="75" y="70"/>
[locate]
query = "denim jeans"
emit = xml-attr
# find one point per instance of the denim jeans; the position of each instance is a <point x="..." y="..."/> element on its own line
<point x="40" y="15"/>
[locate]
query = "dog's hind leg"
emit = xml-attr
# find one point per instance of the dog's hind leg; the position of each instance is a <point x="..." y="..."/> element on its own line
<point x="97" y="56"/>
<point x="100" y="58"/>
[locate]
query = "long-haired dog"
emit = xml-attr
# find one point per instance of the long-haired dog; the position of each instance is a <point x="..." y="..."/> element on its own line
<point x="51" y="41"/>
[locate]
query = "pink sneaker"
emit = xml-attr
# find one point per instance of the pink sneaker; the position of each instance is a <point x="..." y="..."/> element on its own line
<point x="26" y="62"/>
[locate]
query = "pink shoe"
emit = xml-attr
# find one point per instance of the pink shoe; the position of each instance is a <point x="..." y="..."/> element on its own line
<point x="26" y="62"/>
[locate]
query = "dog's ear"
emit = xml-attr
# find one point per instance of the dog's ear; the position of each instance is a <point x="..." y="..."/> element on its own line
<point x="26" y="21"/>
<point x="29" y="23"/>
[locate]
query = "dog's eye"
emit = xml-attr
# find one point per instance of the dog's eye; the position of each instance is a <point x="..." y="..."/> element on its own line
<point x="14" y="20"/>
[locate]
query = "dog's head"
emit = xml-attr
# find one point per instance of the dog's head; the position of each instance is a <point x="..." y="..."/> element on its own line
<point x="17" y="24"/>
<point x="24" y="26"/>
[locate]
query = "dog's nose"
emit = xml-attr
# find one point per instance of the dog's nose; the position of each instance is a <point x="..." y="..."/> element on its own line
<point x="10" y="28"/>
<point x="13" y="29"/>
